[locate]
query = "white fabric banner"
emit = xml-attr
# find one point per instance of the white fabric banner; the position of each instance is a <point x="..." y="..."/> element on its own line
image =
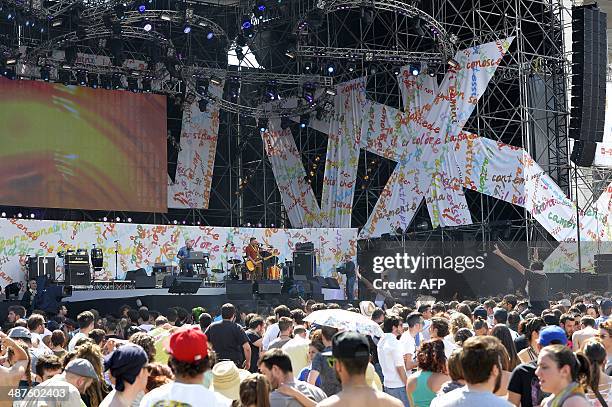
<point x="196" y="159"/>
<point x="297" y="194"/>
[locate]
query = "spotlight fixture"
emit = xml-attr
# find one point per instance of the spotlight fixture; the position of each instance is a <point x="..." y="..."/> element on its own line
<point x="11" y="61"/>
<point x="453" y="63"/>
<point x="4" y="214"/>
<point x="352" y="66"/>
<point x="146" y="84"/>
<point x="271" y="91"/>
<point x="116" y="81"/>
<point x="45" y="73"/>
<point x="415" y="70"/>
<point x="247" y="26"/>
<point x="92" y="80"/>
<point x="19" y="215"/>
<point x="147" y="27"/>
<point x="81" y="77"/>
<point x="186" y="29"/>
<point x="396" y="70"/>
<point x="210" y="35"/>
<point x="330" y="68"/>
<point x="215" y="81"/>
<point x="132" y="84"/>
<point x="304" y="120"/>
<point x="308" y="92"/>
<point x="166" y="17"/>
<point x="32" y="216"/>
<point x="57" y="22"/>
<point x="106" y="82"/>
<point x="259" y="9"/>
<point x="262" y="123"/>
<point x="431" y="72"/>
<point x="330" y="91"/>
<point x="308" y="66"/>
<point x="105" y="219"/>
<point x="142" y="8"/>
<point x="118" y="219"/>
<point x="129" y="220"/>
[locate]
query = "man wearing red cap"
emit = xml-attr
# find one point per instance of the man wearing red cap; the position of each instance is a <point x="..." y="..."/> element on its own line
<point x="189" y="361"/>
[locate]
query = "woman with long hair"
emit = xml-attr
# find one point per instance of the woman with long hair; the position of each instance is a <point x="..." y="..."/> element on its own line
<point x="481" y="327"/>
<point x="99" y="389"/>
<point x="502" y="332"/>
<point x="565" y="375"/>
<point x="423" y="385"/>
<point x="596" y="353"/>
<point x="254" y="392"/>
<point x="457" y="322"/>
<point x="532" y="335"/>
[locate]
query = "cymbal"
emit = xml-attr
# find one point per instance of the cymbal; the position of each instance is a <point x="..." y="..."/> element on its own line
<point x="234" y="261"/>
<point x="217" y="271"/>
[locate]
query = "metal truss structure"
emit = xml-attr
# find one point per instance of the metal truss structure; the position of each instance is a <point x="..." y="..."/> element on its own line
<point x="297" y="41"/>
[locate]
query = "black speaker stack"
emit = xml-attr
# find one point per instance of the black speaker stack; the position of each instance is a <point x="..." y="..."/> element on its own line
<point x="41" y="266"/>
<point x="77" y="270"/>
<point x="304" y="260"/>
<point x="589" y="64"/>
<point x="185" y="285"/>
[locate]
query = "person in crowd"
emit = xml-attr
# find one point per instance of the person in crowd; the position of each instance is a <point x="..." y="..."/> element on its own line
<point x="532" y="329"/>
<point x="99" y="388"/>
<point x="481" y="327"/>
<point x="456" y="322"/>
<point x="27" y="300"/>
<point x="391" y="356"/>
<point x="273" y="330"/>
<point x="16" y="367"/>
<point x="537" y="281"/>
<point x="189" y="360"/>
<point x="158" y="376"/>
<point x="502" y="332"/>
<point x="568" y="323"/>
<point x="285" y="326"/>
<point x="606" y="311"/>
<point x="500" y="316"/>
<point x="98" y="336"/>
<point x="321" y="365"/>
<point x="86" y="324"/>
<point x="439" y="329"/>
<point x="128" y="373"/>
<point x="204" y="320"/>
<point x="565" y="375"/>
<point x="255" y="336"/>
<point x="228" y="340"/>
<point x="254" y="392"/>
<point x="482" y="371"/>
<point x="314" y="347"/>
<point x="348" y="269"/>
<point x="15" y="313"/>
<point x="423" y="385"/>
<point x="453" y="366"/>
<point x="146" y="342"/>
<point x="411" y="340"/>
<point x="78" y="375"/>
<point x="144" y="317"/>
<point x="351" y="355"/>
<point x="587" y="331"/>
<point x="297" y="349"/>
<point x="47" y="366"/>
<point x="276" y="366"/>
<point x="605" y="336"/>
<point x="58" y="341"/>
<point x="524" y="387"/>
<point x="461" y="336"/>
<point x="596" y="354"/>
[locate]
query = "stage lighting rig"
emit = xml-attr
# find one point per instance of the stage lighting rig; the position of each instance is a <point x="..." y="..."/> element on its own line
<point x="92" y="80"/>
<point x="45" y="73"/>
<point x="453" y="63"/>
<point x="271" y="91"/>
<point x="247" y="26"/>
<point x="64" y="76"/>
<point x="146" y="84"/>
<point x="132" y="84"/>
<point x="116" y="81"/>
<point x="81" y="76"/>
<point x="308" y="92"/>
<point x="304" y="120"/>
<point x="415" y="69"/>
<point x="262" y="124"/>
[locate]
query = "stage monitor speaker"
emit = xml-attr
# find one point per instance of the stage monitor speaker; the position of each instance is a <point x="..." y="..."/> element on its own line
<point x="589" y="65"/>
<point x="320" y="280"/>
<point x="239" y="289"/>
<point x="77" y="274"/>
<point x="145" y="281"/>
<point x="185" y="285"/>
<point x="268" y="287"/>
<point x="131" y="275"/>
<point x="583" y="153"/>
<point x="305" y="264"/>
<point x="41" y="266"/>
<point x="168" y="281"/>
<point x="331" y="283"/>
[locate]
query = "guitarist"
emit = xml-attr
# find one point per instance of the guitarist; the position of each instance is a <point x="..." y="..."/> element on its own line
<point x="252" y="253"/>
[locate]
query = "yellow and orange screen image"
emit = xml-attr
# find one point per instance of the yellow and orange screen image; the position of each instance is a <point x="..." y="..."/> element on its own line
<point x="77" y="147"/>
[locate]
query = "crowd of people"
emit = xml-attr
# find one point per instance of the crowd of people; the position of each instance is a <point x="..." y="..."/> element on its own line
<point x="492" y="352"/>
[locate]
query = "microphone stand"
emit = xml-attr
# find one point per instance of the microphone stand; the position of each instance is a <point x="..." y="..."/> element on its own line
<point x="116" y="260"/>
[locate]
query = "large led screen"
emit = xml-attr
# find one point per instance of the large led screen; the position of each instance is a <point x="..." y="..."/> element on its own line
<point x="78" y="147"/>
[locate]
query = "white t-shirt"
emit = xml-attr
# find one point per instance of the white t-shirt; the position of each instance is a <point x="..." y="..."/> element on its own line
<point x="463" y="397"/>
<point x="75" y="338"/>
<point x="70" y="396"/>
<point x="449" y="347"/>
<point x="174" y="394"/>
<point x="408" y="343"/>
<point x="146" y="327"/>
<point x="390" y="356"/>
<point x="271" y="334"/>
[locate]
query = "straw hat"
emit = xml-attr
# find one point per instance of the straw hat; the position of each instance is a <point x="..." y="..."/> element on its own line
<point x="226" y="378"/>
<point x="367" y="308"/>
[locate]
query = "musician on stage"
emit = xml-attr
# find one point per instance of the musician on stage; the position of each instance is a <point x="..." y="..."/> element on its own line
<point x="185" y="253"/>
<point x="252" y="253"/>
<point x="348" y="268"/>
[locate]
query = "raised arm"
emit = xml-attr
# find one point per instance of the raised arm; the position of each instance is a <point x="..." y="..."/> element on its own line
<point x="512" y="262"/>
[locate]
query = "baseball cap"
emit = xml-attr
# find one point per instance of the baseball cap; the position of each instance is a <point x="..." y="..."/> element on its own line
<point x="125" y="364"/>
<point x="480" y="312"/>
<point x="606" y="304"/>
<point x="188" y="345"/>
<point x="500" y="314"/>
<point x="349" y="345"/>
<point x="81" y="367"/>
<point x="552" y="333"/>
<point x="20" y="332"/>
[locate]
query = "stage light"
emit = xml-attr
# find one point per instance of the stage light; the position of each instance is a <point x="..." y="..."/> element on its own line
<point x="118" y="219"/>
<point x="352" y="66"/>
<point x="308" y="66"/>
<point x="262" y="123"/>
<point x="11" y="61"/>
<point x="259" y="9"/>
<point x="330" y="69"/>
<point x="210" y="35"/>
<point x="415" y="70"/>
<point x="330" y="91"/>
<point x="186" y="29"/>
<point x="431" y="72"/>
<point x="120" y="10"/>
<point x="147" y="27"/>
<point x="304" y="120"/>
<point x="129" y="220"/>
<point x="64" y="77"/>
<point x="146" y="85"/>
<point x="19" y="215"/>
<point x="396" y="70"/>
<point x="166" y="17"/>
<point x="142" y="8"/>
<point x="239" y="53"/>
<point x="106" y="82"/>
<point x="308" y="92"/>
<point x="4" y="214"/>
<point x="271" y="91"/>
<point x="104" y="219"/>
<point x="247" y="26"/>
<point x="116" y="81"/>
<point x="57" y="22"/>
<point x="81" y="77"/>
<point x="453" y="63"/>
<point x="175" y="222"/>
<point x="92" y="80"/>
<point x="215" y="81"/>
<point x="32" y="216"/>
<point x="132" y="84"/>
